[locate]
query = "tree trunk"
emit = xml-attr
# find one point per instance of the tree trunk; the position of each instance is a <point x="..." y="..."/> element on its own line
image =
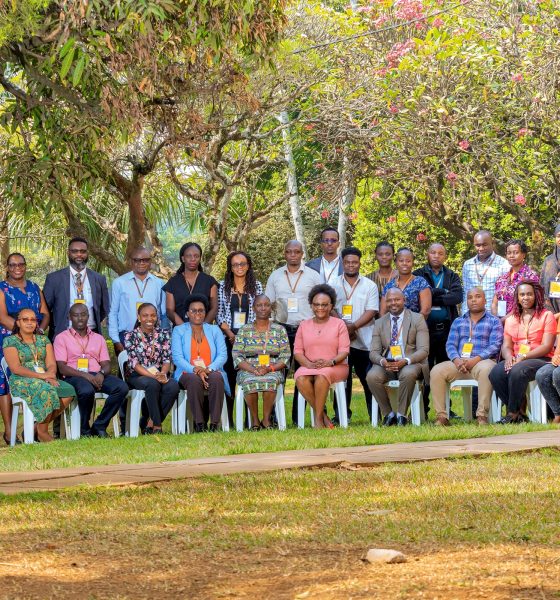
<point x="137" y="234"/>
<point x="346" y="200"/>
<point x="4" y="230"/>
<point x="292" y="181"/>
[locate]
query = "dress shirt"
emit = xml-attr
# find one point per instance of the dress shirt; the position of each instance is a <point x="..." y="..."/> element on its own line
<point x="69" y="345"/>
<point x="88" y="296"/>
<point x="487" y="336"/>
<point x="484" y="275"/>
<point x="364" y="297"/>
<point x="329" y="269"/>
<point x="125" y="295"/>
<point x="278" y="290"/>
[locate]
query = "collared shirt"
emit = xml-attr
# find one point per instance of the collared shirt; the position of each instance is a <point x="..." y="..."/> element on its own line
<point x="69" y="345"/>
<point x="364" y="296"/>
<point x="282" y="285"/>
<point x="87" y="294"/>
<point x="128" y="290"/>
<point x="329" y="269"/>
<point x="477" y="273"/>
<point x="487" y="336"/>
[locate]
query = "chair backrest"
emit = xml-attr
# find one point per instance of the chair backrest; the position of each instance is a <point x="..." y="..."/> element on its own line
<point x="123" y="358"/>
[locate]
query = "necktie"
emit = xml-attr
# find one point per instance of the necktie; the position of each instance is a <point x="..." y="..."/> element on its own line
<point x="79" y="285"/>
<point x="394" y="331"/>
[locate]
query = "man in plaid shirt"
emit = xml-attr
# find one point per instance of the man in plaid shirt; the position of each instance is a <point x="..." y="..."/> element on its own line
<point x="473" y="344"/>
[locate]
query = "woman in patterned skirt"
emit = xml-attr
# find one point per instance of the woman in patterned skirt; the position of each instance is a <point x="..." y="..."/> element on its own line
<point x="261" y="353"/>
<point x="30" y="358"/>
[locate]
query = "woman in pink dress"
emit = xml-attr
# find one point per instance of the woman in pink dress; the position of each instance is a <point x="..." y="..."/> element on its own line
<point x="321" y="347"/>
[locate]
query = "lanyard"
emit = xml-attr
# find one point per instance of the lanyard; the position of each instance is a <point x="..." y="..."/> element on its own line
<point x="198" y="344"/>
<point x="526" y="327"/>
<point x="396" y="280"/>
<point x="294" y="287"/>
<point x="189" y="286"/>
<point x="479" y="276"/>
<point x="438" y="279"/>
<point x="141" y="293"/>
<point x="352" y="290"/>
<point x="150" y="347"/>
<point x="35" y="351"/>
<point x="264" y="350"/>
<point x="325" y="264"/>
<point x="471" y="328"/>
<point x="239" y="298"/>
<point x="77" y="337"/>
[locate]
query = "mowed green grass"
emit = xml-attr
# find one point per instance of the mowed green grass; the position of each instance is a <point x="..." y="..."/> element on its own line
<point x="88" y="452"/>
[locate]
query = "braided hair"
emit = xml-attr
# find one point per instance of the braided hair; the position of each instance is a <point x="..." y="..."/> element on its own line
<point x="250" y="279"/>
<point x="539" y="307"/>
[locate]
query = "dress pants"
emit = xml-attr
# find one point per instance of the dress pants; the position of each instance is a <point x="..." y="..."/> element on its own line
<point x="446" y="372"/>
<point x="159" y="397"/>
<point x="231" y="373"/>
<point x="359" y="360"/>
<point x="115" y="388"/>
<point x="195" y="396"/>
<point x="511" y="387"/>
<point x="407" y="376"/>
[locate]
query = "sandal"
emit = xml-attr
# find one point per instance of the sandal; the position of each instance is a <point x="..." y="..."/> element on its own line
<point x="257" y="427"/>
<point x="7" y="439"/>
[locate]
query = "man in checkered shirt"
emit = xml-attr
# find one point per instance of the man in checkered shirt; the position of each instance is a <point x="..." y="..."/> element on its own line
<point x="483" y="269"/>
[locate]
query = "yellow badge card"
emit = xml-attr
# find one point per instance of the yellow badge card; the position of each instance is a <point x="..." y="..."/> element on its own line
<point x="292" y="304"/>
<point x="239" y="318"/>
<point x="347" y="312"/>
<point x="467" y="350"/>
<point x="554" y="291"/>
<point x="138" y="305"/>
<point x="264" y="360"/>
<point x="153" y="370"/>
<point x="396" y="352"/>
<point x="524" y="349"/>
<point x="79" y="301"/>
<point x="198" y="362"/>
<point x="83" y="364"/>
<point x="38" y="369"/>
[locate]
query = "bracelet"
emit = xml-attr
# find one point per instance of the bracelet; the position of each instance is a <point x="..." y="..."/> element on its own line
<point x="333" y="361"/>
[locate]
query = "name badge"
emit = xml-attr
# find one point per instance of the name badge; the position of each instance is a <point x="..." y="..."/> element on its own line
<point x="502" y="308"/>
<point x="264" y="360"/>
<point x="83" y="364"/>
<point x="396" y="352"/>
<point x="38" y="369"/>
<point x="554" y="291"/>
<point x="524" y="349"/>
<point x="199" y="362"/>
<point x="347" y="312"/>
<point x="152" y="369"/>
<point x="292" y="304"/>
<point x="239" y="318"/>
<point x="79" y="301"/>
<point x="467" y="349"/>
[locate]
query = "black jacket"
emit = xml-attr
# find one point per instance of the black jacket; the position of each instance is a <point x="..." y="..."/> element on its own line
<point x="450" y="295"/>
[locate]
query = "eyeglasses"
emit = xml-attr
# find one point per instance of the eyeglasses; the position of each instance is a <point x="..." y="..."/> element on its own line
<point x="315" y="305"/>
<point x="28" y="319"/>
<point x="239" y="265"/>
<point x="197" y="311"/>
<point x="16" y="265"/>
<point x="329" y="241"/>
<point x="141" y="260"/>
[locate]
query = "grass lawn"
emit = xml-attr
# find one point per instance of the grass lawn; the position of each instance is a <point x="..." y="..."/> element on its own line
<point x="87" y="452"/>
<point x="471" y="528"/>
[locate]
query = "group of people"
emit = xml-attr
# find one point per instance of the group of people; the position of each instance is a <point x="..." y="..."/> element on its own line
<point x="325" y="317"/>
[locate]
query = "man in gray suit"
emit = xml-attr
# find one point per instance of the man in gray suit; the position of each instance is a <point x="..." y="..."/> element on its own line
<point x="399" y="350"/>
<point x="76" y="285"/>
<point x="329" y="264"/>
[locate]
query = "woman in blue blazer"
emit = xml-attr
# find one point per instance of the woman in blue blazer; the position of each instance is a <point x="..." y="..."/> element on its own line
<point x="199" y="354"/>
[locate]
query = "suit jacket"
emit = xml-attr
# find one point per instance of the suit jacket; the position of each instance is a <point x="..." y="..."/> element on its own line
<point x="57" y="297"/>
<point x="415" y="336"/>
<point x="315" y="264"/>
<point x="451" y="292"/>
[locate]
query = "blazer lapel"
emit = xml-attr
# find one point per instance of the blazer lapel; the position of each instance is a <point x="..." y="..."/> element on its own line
<point x="405" y="328"/>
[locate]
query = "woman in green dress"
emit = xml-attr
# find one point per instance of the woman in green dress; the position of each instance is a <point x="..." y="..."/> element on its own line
<point x="261" y="352"/>
<point x="32" y="365"/>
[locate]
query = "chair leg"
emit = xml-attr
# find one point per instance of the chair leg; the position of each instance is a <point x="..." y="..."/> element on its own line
<point x="28" y="425"/>
<point x="415" y="405"/>
<point x="15" y="411"/>
<point x="374" y="412"/>
<point x="340" y="392"/>
<point x="75" y="419"/>
<point x="225" y="419"/>
<point x="182" y="422"/>
<point x="239" y="404"/>
<point x="301" y="411"/>
<point x="467" y="404"/>
<point x="133" y="411"/>
<point x="280" y="408"/>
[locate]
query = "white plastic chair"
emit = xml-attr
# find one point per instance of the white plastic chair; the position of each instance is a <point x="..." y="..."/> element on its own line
<point x="71" y="417"/>
<point x="466" y="386"/>
<point x="339" y="389"/>
<point x="181" y="416"/>
<point x="279" y="404"/>
<point x="116" y="425"/>
<point x="416" y="403"/>
<point x="537" y="404"/>
<point x="134" y="404"/>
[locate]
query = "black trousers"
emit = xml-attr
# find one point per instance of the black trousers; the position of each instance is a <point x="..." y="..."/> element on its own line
<point x="291" y="331"/>
<point x="231" y="373"/>
<point x="159" y="398"/>
<point x="439" y="332"/>
<point x="359" y="361"/>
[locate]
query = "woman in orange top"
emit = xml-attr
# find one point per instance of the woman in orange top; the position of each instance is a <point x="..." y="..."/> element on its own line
<point x="529" y="333"/>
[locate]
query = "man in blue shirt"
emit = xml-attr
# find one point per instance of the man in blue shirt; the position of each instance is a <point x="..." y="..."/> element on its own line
<point x="473" y="344"/>
<point x="129" y="291"/>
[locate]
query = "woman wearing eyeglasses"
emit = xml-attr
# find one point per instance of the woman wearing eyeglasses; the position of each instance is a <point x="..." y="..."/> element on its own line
<point x="321" y="347"/>
<point x="199" y="354"/>
<point x="16" y="293"/>
<point x="30" y="358"/>
<point x="236" y="296"/>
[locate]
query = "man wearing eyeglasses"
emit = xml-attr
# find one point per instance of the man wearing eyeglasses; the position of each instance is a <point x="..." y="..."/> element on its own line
<point x="329" y="264"/>
<point x="131" y="290"/>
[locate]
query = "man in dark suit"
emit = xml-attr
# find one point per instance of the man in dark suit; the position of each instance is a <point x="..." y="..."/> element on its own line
<point x="76" y="285"/>
<point x="399" y="350"/>
<point x="447" y="293"/>
<point x="329" y="264"/>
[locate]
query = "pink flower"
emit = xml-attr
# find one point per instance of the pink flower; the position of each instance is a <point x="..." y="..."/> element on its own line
<point x="523" y="132"/>
<point x="398" y="51"/>
<point x="437" y="22"/>
<point x="520" y="199"/>
<point x="309" y="127"/>
<point x="391" y="219"/>
<point x="451" y="177"/>
<point x="352" y="216"/>
<point x="517" y="78"/>
<point x="375" y="195"/>
<point x="393" y="109"/>
<point x="325" y="214"/>
<point x="421" y="237"/>
<point x="464" y="145"/>
<point x="320" y="187"/>
<point x="319" y="166"/>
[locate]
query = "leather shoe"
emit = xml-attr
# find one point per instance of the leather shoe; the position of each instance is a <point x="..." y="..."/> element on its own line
<point x="556" y="419"/>
<point x="86" y="433"/>
<point x="101" y="433"/>
<point x="444" y="421"/>
<point x="482" y="420"/>
<point x="390" y="419"/>
<point x="401" y="421"/>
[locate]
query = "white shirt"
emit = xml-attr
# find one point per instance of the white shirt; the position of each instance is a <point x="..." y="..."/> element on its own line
<point x="328" y="269"/>
<point x="364" y="296"/>
<point x="88" y="296"/>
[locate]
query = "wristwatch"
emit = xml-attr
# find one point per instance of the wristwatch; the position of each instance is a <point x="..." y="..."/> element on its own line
<point x="210" y="370"/>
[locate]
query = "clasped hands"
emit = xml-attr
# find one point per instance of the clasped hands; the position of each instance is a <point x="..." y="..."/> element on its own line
<point x="395" y="365"/>
<point x="203" y="373"/>
<point x="465" y="365"/>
